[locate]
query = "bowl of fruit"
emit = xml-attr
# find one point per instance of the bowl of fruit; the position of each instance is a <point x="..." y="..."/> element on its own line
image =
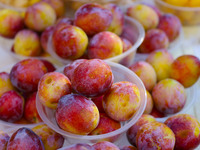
<point x="18" y="83"/>
<point x="85" y="101"/>
<point x="187" y="11"/>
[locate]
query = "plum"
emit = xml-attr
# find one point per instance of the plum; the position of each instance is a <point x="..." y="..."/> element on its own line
<point x="30" y="110"/>
<point x="161" y="61"/>
<point x="155" y="113"/>
<point x="4" y="138"/>
<point x="79" y="146"/>
<point x="27" y="43"/>
<point x="171" y="25"/>
<point x="58" y="6"/>
<point x="155" y="135"/>
<point x="69" y="42"/>
<point x="93" y="18"/>
<point x="25" y="74"/>
<point x="52" y="86"/>
<point x="126" y="44"/>
<point x="5" y="83"/>
<point x="146" y="73"/>
<point x="50" y="67"/>
<point x="77" y="114"/>
<point x="69" y="68"/>
<point x="99" y="103"/>
<point x="105" y="145"/>
<point x="25" y="139"/>
<point x="39" y="16"/>
<point x="144" y="14"/>
<point x="10" y="23"/>
<point x="169" y="96"/>
<point x="132" y="131"/>
<point x="105" y="45"/>
<point x="106" y="125"/>
<point x="154" y="39"/>
<point x="45" y="37"/>
<point x="50" y="139"/>
<point x="92" y="78"/>
<point x="122" y="101"/>
<point x="117" y="23"/>
<point x="11" y="106"/>
<point x="186" y="130"/>
<point x="128" y="148"/>
<point x="150" y="104"/>
<point x="186" y="70"/>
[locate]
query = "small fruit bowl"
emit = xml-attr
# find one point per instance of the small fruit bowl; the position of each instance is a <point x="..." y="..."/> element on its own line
<point x="125" y="58"/>
<point x="191" y="98"/>
<point x="189" y="16"/>
<point x="120" y="73"/>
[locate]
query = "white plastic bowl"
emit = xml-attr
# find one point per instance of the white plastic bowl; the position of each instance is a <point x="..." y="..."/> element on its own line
<point x="125" y="58"/>
<point x="120" y="73"/>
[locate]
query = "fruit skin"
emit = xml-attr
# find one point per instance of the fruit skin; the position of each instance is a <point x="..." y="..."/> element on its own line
<point x="11" y="106"/>
<point x="144" y="14"/>
<point x="122" y="101"/>
<point x="105" y="146"/>
<point x="93" y="18"/>
<point x="92" y="78"/>
<point x="30" y="110"/>
<point x="169" y="96"/>
<point x="186" y="130"/>
<point x="106" y="125"/>
<point x="149" y="105"/>
<point x="155" y="135"/>
<point x="69" y="42"/>
<point x="50" y="139"/>
<point x="132" y="131"/>
<point x="155" y="113"/>
<point x="5" y="83"/>
<point x="126" y="44"/>
<point x="45" y="37"/>
<point x="171" y="25"/>
<point x="146" y="73"/>
<point x="99" y="103"/>
<point x="58" y="6"/>
<point x="154" y="39"/>
<point x="128" y="148"/>
<point x="161" y="61"/>
<point x="77" y="114"/>
<point x="25" y="139"/>
<point x="105" y="45"/>
<point x="50" y="67"/>
<point x="10" y="23"/>
<point x="4" y="138"/>
<point x="79" y="146"/>
<point x="69" y="69"/>
<point x="186" y="70"/>
<point x="27" y="43"/>
<point x="39" y="16"/>
<point x="52" y="87"/>
<point x="117" y="23"/>
<point x="24" y="76"/>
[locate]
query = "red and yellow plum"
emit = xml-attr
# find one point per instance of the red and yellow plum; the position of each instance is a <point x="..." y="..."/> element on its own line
<point x="150" y="104"/>
<point x="126" y="44"/>
<point x="4" y="138"/>
<point x="105" y="146"/>
<point x="99" y="103"/>
<point x="128" y="148"/>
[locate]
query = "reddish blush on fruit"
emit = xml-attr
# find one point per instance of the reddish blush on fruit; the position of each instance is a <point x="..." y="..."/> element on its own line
<point x="11" y="106"/>
<point x="105" y="45"/>
<point x="186" y="130"/>
<point x="154" y="39"/>
<point x="77" y="114"/>
<point x="126" y="44"/>
<point x="93" y="18"/>
<point x="92" y="78"/>
<point x="155" y="135"/>
<point x="132" y="131"/>
<point x="122" y="101"/>
<point x="52" y="87"/>
<point x="149" y="105"/>
<point x="4" y="138"/>
<point x="169" y="96"/>
<point x="99" y="103"/>
<point x="186" y="70"/>
<point x="105" y="145"/>
<point x="128" y="148"/>
<point x="79" y="146"/>
<point x="26" y="74"/>
<point x="30" y="110"/>
<point x="50" y="67"/>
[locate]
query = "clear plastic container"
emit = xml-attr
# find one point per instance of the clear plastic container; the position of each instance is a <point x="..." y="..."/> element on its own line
<point x="125" y="58"/>
<point x="4" y="124"/>
<point x="189" y="16"/>
<point x="120" y="73"/>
